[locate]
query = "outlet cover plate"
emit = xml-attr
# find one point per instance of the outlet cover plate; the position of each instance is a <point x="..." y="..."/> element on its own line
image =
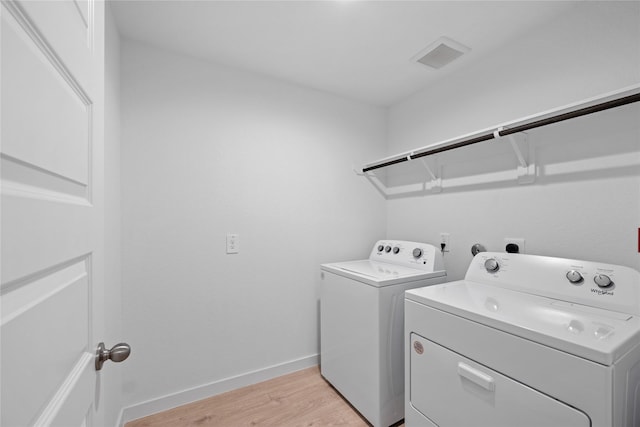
<point x="518" y="241"/>
<point x="233" y="243"/>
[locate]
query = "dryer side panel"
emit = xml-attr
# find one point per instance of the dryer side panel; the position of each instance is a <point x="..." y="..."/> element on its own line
<point x="626" y="392"/>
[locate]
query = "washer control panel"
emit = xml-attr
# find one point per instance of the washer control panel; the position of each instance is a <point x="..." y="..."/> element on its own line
<point x="411" y="254"/>
<point x="607" y="286"/>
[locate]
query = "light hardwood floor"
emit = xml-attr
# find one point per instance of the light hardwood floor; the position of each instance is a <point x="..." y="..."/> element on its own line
<point x="302" y="398"/>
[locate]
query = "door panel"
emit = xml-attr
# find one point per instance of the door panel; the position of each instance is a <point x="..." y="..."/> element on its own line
<point x="42" y="343"/>
<point x="75" y="45"/>
<point x="47" y="95"/>
<point x="32" y="232"/>
<point x="51" y="212"/>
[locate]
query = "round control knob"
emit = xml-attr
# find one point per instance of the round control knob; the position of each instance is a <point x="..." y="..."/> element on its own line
<point x="396" y="250"/>
<point x="602" y="280"/>
<point x="491" y="265"/>
<point x="380" y="248"/>
<point x="574" y="276"/>
<point x="417" y="253"/>
<point x="387" y="249"/>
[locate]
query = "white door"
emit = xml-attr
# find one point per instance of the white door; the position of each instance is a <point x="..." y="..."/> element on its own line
<point x="52" y="72"/>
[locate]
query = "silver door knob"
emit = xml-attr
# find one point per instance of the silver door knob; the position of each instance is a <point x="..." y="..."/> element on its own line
<point x="117" y="353"/>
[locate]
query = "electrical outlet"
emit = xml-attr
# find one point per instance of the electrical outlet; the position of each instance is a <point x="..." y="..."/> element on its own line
<point x="233" y="243"/>
<point x="444" y="240"/>
<point x="517" y="241"/>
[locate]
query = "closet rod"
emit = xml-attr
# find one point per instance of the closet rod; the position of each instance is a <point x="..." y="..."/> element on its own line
<point x="521" y="128"/>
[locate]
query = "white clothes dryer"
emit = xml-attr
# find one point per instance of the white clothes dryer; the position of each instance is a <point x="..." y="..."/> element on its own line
<point x="525" y="340"/>
<point x="362" y="324"/>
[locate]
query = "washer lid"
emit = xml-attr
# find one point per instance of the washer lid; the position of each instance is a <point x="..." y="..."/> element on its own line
<point x="595" y="334"/>
<point x="378" y="273"/>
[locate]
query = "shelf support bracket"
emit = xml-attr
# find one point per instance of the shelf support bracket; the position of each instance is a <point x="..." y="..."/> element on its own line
<point x="377" y="183"/>
<point x="436" y="179"/>
<point x="525" y="154"/>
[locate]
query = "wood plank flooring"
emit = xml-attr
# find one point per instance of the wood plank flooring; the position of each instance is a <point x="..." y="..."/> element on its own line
<point x="298" y="399"/>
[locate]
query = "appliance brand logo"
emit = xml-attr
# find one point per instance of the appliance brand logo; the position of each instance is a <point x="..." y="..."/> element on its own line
<point x="601" y="292"/>
<point x="417" y="346"/>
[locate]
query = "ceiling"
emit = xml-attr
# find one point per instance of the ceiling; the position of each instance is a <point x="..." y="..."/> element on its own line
<point x="357" y="49"/>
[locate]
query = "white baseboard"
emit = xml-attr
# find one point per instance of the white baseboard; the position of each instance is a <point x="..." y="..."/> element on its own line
<point x="120" y="420"/>
<point x="207" y="390"/>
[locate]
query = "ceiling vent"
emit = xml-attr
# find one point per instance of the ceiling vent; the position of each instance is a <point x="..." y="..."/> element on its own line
<point x="440" y="53"/>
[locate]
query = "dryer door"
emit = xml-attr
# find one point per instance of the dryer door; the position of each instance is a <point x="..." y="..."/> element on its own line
<point x="452" y="390"/>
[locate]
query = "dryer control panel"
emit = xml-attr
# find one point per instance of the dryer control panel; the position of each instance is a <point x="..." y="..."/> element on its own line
<point x="417" y="255"/>
<point x="596" y="284"/>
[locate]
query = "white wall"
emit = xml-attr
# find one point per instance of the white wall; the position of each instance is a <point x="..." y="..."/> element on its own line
<point x="585" y="203"/>
<point x="111" y="376"/>
<point x="209" y="150"/>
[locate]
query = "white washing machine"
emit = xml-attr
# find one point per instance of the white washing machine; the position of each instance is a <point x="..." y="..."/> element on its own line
<point x="525" y="340"/>
<point x="361" y="324"/>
